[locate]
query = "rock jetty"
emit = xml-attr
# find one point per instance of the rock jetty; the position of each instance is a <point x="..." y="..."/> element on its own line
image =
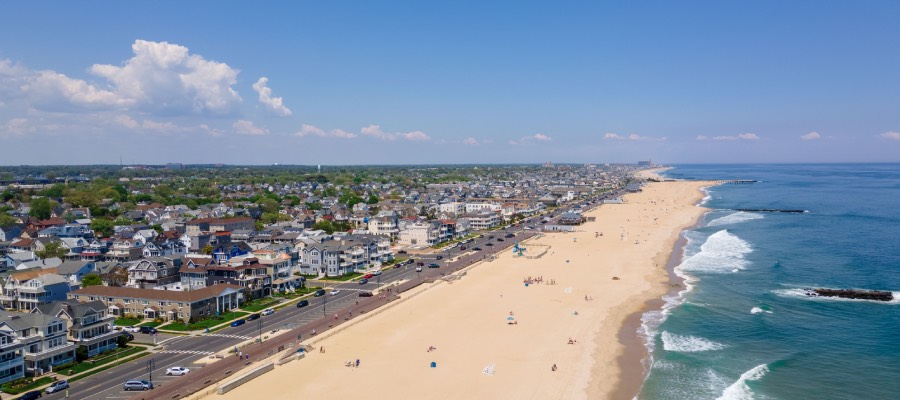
<point x="877" y="295"/>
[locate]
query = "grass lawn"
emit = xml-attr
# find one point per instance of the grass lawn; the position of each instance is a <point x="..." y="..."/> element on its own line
<point x="152" y="324"/>
<point x="297" y="293"/>
<point x="100" y="359"/>
<point x="260" y="304"/>
<point x="110" y="365"/>
<point x="347" y="277"/>
<point x="206" y="323"/>
<point x="16" y="389"/>
<point x="122" y="321"/>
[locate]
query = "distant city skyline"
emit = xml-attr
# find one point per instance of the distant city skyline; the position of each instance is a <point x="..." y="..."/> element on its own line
<point x="379" y="83"/>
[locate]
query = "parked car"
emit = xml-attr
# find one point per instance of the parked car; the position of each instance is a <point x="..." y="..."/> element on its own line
<point x="303" y="303"/>
<point x="129" y="336"/>
<point x="365" y="294"/>
<point x="401" y="252"/>
<point x="132" y="329"/>
<point x="57" y="386"/>
<point x="238" y="322"/>
<point x="421" y="264"/>
<point x="252" y="317"/>
<point x="320" y="292"/>
<point x="368" y="276"/>
<point x="434" y="265"/>
<point x="177" y="371"/>
<point x="148" y="330"/>
<point x="268" y="311"/>
<point x="136" y="384"/>
<point x="363" y="281"/>
<point x="462" y="247"/>
<point x="480" y="236"/>
<point x="335" y="292"/>
<point x="34" y="394"/>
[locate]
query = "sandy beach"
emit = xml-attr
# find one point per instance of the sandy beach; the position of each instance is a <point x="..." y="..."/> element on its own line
<point x="591" y="281"/>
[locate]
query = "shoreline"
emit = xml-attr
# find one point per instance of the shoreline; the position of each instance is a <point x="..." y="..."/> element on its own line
<point x="466" y="319"/>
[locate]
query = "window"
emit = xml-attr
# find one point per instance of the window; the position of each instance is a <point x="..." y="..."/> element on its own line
<point x="146" y="302"/>
<point x="180" y="304"/>
<point x="161" y="303"/>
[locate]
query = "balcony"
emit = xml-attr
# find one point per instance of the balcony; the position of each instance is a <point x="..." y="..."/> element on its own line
<point x="11" y="363"/>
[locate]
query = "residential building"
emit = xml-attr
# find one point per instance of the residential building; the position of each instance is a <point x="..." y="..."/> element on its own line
<point x="154" y="271"/>
<point x="420" y="233"/>
<point x="12" y="360"/>
<point x="88" y="323"/>
<point x="246" y="273"/>
<point x="43" y="338"/>
<point x="26" y="289"/>
<point x="218" y="224"/>
<point x="168" y="305"/>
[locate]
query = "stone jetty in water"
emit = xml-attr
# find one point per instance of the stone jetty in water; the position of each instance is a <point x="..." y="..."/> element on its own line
<point x="877" y="295"/>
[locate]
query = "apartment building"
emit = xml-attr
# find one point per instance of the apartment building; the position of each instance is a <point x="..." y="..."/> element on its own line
<point x="43" y="338"/>
<point x="88" y="324"/>
<point x="12" y="360"/>
<point x="167" y="305"/>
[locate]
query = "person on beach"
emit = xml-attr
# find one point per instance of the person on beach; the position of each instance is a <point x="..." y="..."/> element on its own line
<point x="553" y="368"/>
<point x="357" y="363"/>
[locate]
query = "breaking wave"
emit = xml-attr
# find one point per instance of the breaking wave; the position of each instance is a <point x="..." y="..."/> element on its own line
<point x="739" y="389"/>
<point x="735" y="218"/>
<point x="722" y="252"/>
<point x="687" y="343"/>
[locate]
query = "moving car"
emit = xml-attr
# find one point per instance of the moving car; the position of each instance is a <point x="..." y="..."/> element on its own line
<point x="440" y="257"/>
<point x="136" y="384"/>
<point x="34" y="394"/>
<point x="434" y="265"/>
<point x="365" y="294"/>
<point x="401" y="252"/>
<point x="132" y="329"/>
<point x="335" y="292"/>
<point x="476" y="248"/>
<point x="252" y="317"/>
<point x="488" y="244"/>
<point x="149" y="330"/>
<point x="268" y="311"/>
<point x="462" y="247"/>
<point x="238" y="322"/>
<point x="57" y="386"/>
<point x="320" y="292"/>
<point x="367" y="276"/>
<point x="499" y="239"/>
<point x="177" y="371"/>
<point x="509" y="235"/>
<point x="303" y="303"/>
<point x="418" y="269"/>
<point x="363" y="281"/>
<point x="421" y="264"/>
<point x="376" y="273"/>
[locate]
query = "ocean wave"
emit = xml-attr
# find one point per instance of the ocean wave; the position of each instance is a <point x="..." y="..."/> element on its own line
<point x="687" y="343"/>
<point x="801" y="294"/>
<point x="735" y="218"/>
<point x="722" y="252"/>
<point x="757" y="310"/>
<point x="739" y="389"/>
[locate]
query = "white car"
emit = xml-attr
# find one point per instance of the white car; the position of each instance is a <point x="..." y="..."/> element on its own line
<point x="268" y="311"/>
<point x="132" y="329"/>
<point x="177" y="371"/>
<point x="335" y="291"/>
<point x="377" y="272"/>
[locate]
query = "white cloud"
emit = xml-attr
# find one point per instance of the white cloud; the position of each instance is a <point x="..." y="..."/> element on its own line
<point x="748" y="136"/>
<point x="891" y="135"/>
<point x="530" y="139"/>
<point x="470" y="141"/>
<point x="165" y="78"/>
<point x="214" y="132"/>
<point x="48" y="88"/>
<point x="632" y="137"/>
<point x="265" y="97"/>
<point x="702" y="137"/>
<point x="306" y="130"/>
<point x="151" y="125"/>
<point x="742" y="136"/>
<point x="811" y="136"/>
<point x="245" y="127"/>
<point x="16" y="127"/>
<point x="614" y="136"/>
<point x="376" y="132"/>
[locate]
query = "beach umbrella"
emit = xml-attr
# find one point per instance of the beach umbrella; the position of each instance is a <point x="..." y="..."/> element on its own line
<point x="510" y="318"/>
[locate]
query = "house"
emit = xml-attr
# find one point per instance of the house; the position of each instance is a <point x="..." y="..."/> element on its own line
<point x="482" y="220"/>
<point x="167" y="305"/>
<point x="12" y="360"/>
<point x="125" y="250"/>
<point x="11" y="260"/>
<point x="570" y="218"/>
<point x="10" y="233"/>
<point x="154" y="271"/>
<point x="88" y="324"/>
<point x="246" y="273"/>
<point x="43" y="338"/>
<point x="193" y="272"/>
<point x="224" y="252"/>
<point x="218" y="224"/>
<point x="112" y="273"/>
<point x="26" y="289"/>
<point x="419" y="233"/>
<point x="74" y="271"/>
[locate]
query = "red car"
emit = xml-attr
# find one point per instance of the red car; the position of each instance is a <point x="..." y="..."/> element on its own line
<point x="368" y="276"/>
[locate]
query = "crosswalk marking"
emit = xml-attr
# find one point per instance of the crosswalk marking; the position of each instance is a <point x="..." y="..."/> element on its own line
<point x="187" y="352"/>
<point x="229" y="336"/>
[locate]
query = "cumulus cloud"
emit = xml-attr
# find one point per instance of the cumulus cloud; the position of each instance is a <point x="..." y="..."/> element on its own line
<point x="306" y="130"/>
<point x="891" y="135"/>
<point x="811" y="136"/>
<point x="632" y="137"/>
<point x="742" y="136"/>
<point x="150" y="125"/>
<point x="376" y="132"/>
<point x="530" y="139"/>
<point x="265" y="96"/>
<point x="245" y="127"/>
<point x="470" y="141"/>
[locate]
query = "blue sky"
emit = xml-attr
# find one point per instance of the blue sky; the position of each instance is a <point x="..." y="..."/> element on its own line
<point x="448" y="82"/>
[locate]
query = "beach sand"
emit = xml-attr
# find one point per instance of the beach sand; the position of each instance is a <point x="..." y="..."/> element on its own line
<point x="467" y="320"/>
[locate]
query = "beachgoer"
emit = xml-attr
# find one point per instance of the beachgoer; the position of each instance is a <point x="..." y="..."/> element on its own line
<point x="553" y="368"/>
<point x="357" y="362"/>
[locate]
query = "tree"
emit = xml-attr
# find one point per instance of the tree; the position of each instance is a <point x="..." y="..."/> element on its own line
<point x="208" y="249"/>
<point x="40" y="208"/>
<point x="52" y="249"/>
<point x="91" y="280"/>
<point x="81" y="353"/>
<point x="373" y="199"/>
<point x="102" y="226"/>
<point x="6" y="220"/>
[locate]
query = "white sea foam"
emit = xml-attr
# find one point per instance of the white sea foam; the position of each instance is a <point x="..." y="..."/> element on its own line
<point x="735" y="218"/>
<point x="722" y="252"/>
<point x="757" y="310"/>
<point x="687" y="343"/>
<point x="739" y="389"/>
<point x="800" y="293"/>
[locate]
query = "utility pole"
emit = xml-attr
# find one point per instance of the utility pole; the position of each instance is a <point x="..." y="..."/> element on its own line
<point x="151" y="363"/>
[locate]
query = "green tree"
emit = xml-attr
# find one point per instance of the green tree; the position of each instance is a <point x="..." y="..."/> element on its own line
<point x="52" y="249"/>
<point x="157" y="227"/>
<point x="6" y="220"/>
<point x="208" y="249"/>
<point x="314" y="206"/>
<point x="268" y="205"/>
<point x="55" y="191"/>
<point x="81" y="353"/>
<point x="40" y="208"/>
<point x="91" y="280"/>
<point x="373" y="199"/>
<point x="102" y="226"/>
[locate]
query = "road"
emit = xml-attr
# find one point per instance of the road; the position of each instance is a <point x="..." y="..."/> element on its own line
<point x="319" y="315"/>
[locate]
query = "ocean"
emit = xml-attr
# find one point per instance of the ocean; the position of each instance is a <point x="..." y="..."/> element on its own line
<point x="743" y="327"/>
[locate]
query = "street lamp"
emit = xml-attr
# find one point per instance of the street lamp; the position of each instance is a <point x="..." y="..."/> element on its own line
<point x="151" y="363"/>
